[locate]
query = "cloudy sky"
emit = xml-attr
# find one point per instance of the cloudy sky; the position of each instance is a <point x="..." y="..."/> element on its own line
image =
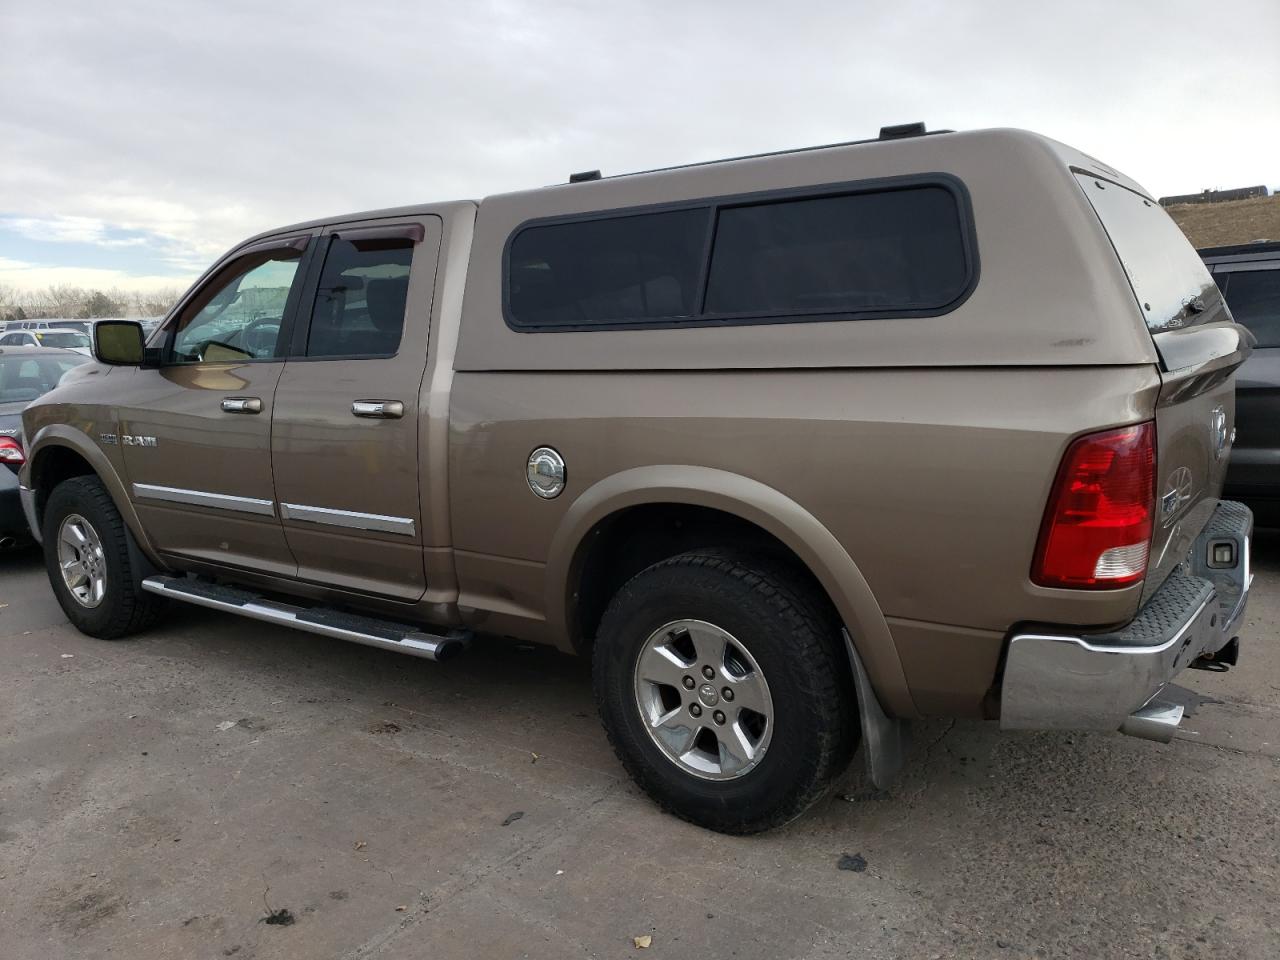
<point x="139" y="140"/>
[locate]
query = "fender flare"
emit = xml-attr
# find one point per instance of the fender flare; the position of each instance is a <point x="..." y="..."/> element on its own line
<point x="65" y="435"/>
<point x="757" y="503"/>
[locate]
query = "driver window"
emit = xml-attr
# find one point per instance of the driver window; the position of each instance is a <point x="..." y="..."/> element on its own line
<point x="238" y="315"/>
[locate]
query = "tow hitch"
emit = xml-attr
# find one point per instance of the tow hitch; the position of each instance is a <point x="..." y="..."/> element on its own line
<point x="1222" y="660"/>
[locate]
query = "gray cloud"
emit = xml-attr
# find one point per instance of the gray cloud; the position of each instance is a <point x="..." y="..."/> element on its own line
<point x="201" y="123"/>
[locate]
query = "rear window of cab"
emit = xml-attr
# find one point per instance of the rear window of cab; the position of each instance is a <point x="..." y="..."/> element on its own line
<point x="893" y="248"/>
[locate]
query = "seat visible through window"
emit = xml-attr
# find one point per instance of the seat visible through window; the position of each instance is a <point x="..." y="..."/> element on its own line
<point x="360" y="301"/>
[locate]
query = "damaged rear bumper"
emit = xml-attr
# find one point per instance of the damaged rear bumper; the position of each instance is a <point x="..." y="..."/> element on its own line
<point x="1074" y="681"/>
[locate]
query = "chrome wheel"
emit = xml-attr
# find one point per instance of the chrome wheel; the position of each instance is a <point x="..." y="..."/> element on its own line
<point x="703" y="700"/>
<point x="81" y="560"/>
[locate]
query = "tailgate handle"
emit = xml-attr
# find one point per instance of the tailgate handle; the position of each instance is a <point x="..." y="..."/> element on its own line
<point x="241" y="405"/>
<point x="378" y="409"/>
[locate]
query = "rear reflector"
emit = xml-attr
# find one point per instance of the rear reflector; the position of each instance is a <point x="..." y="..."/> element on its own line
<point x="1097" y="526"/>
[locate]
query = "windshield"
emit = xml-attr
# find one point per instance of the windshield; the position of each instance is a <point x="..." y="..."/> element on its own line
<point x="26" y="378"/>
<point x="63" y="338"/>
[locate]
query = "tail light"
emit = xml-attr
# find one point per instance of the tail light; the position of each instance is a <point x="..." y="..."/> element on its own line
<point x="1096" y="532"/>
<point x="11" y="452"/>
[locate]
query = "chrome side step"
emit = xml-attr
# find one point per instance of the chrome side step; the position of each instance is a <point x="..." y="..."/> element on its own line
<point x="325" y="621"/>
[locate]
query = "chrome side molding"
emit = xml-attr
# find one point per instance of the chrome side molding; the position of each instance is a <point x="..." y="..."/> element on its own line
<point x="351" y="519"/>
<point x="203" y="498"/>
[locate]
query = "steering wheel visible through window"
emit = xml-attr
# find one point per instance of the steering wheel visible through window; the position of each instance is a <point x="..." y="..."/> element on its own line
<point x="239" y="313"/>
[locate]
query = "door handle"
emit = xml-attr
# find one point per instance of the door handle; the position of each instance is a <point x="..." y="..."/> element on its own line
<point x="241" y="405"/>
<point x="378" y="409"/>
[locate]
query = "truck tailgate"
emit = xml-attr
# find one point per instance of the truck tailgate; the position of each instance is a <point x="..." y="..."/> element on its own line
<point x="1200" y="347"/>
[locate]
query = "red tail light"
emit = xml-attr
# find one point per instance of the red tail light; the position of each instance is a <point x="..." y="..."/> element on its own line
<point x="1097" y="527"/>
<point x="11" y="451"/>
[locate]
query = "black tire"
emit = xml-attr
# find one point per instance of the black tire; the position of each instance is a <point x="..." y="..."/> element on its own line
<point x="796" y="643"/>
<point x="125" y="608"/>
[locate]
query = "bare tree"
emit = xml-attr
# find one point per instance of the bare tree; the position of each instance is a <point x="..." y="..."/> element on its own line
<point x="155" y="303"/>
<point x="63" y="300"/>
<point x="8" y="301"/>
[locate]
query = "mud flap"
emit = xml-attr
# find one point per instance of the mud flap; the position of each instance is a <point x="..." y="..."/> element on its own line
<point x="885" y="739"/>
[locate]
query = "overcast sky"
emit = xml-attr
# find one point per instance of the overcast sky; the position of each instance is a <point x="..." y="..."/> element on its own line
<point x="139" y="140"/>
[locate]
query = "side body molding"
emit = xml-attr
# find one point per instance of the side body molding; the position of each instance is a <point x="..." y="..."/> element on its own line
<point x="749" y="500"/>
<point x="65" y="435"/>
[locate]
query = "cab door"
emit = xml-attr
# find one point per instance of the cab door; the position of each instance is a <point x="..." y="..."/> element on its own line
<point x="344" y="447"/>
<point x="196" y="432"/>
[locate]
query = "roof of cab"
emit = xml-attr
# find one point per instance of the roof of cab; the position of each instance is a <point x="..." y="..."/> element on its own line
<point x="1254" y="250"/>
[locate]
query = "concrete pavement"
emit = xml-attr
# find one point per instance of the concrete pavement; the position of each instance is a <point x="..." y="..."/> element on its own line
<point x="159" y="797"/>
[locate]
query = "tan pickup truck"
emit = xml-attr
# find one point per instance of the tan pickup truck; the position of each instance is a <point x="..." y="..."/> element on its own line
<point x="796" y="447"/>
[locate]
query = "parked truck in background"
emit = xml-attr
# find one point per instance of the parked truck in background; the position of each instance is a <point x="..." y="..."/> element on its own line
<point x="1249" y="276"/>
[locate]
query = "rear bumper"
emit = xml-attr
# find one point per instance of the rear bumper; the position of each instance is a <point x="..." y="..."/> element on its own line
<point x="28" y="501"/>
<point x="1065" y="681"/>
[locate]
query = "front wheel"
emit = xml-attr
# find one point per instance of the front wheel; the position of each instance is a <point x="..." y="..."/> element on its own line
<point x="725" y="690"/>
<point x="91" y="567"/>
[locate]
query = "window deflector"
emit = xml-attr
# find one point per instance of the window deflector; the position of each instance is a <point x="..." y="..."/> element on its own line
<point x="400" y="231"/>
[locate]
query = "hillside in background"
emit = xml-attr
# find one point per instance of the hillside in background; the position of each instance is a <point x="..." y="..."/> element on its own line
<point x="1232" y="221"/>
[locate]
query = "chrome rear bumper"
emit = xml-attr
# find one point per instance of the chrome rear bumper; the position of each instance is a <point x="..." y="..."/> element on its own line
<point x="1065" y="681"/>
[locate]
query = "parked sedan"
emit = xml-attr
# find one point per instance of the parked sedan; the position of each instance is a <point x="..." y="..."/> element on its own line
<point x="1249" y="277"/>
<point x="74" y="340"/>
<point x="25" y="374"/>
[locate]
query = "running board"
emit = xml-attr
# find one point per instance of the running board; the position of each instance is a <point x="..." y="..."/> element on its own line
<point x="325" y="621"/>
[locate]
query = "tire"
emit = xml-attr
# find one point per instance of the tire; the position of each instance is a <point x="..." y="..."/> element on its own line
<point x="97" y="535"/>
<point x="785" y="655"/>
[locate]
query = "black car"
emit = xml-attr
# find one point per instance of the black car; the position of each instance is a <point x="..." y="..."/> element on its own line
<point x="1249" y="277"/>
<point x="25" y="373"/>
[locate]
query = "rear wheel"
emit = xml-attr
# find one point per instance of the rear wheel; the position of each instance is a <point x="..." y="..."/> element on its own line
<point x="93" y="566"/>
<point x="725" y="690"/>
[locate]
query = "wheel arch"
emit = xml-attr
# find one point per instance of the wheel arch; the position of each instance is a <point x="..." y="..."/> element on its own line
<point x="748" y="505"/>
<point x="57" y="453"/>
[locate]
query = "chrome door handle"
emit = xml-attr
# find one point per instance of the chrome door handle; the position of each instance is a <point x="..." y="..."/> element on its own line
<point x="378" y="409"/>
<point x="241" y="405"/>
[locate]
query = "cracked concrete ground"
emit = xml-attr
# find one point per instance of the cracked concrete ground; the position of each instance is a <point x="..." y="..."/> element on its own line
<point x="159" y="795"/>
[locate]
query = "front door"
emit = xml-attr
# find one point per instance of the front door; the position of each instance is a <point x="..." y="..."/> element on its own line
<point x="197" y="431"/>
<point x="345" y="428"/>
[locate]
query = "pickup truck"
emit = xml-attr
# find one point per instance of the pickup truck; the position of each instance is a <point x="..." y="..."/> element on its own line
<point x="796" y="448"/>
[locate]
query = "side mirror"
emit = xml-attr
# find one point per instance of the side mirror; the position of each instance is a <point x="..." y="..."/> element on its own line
<point x="119" y="343"/>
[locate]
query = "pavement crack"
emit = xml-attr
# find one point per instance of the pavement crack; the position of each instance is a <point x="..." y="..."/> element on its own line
<point x="1232" y="750"/>
<point x="928" y="751"/>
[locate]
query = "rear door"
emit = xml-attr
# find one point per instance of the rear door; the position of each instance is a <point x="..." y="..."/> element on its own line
<point x="1200" y="348"/>
<point x="345" y="432"/>
<point x="1252" y="290"/>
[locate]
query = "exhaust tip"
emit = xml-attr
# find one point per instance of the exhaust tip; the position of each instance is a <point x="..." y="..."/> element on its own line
<point x="1156" y="721"/>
